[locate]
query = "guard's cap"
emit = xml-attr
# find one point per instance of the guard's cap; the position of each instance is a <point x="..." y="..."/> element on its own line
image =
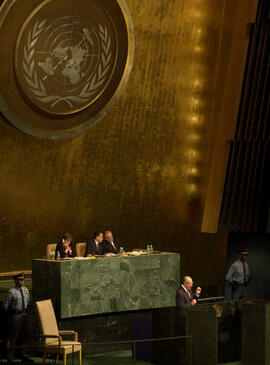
<point x="243" y="252"/>
<point x="19" y="276"/>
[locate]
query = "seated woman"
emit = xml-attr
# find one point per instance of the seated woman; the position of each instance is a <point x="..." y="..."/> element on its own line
<point x="64" y="247"/>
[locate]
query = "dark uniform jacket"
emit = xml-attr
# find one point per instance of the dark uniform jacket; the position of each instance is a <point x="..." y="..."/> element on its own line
<point x="109" y="247"/>
<point x="91" y="248"/>
<point x="61" y="249"/>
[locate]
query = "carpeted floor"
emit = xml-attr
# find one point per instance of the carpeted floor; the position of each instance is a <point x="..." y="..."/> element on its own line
<point x="123" y="357"/>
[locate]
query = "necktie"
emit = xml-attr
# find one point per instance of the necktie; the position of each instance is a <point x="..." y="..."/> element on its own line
<point x="113" y="247"/>
<point x="245" y="273"/>
<point x="23" y="303"/>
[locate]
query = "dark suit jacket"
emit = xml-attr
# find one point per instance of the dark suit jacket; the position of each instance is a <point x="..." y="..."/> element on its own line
<point x="91" y="248"/>
<point x="60" y="248"/>
<point x="109" y="247"/>
<point x="182" y="297"/>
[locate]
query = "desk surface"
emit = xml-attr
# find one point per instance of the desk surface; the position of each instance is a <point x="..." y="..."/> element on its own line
<point x="80" y="287"/>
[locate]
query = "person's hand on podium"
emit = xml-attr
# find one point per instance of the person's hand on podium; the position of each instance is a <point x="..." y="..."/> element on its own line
<point x="194" y="301"/>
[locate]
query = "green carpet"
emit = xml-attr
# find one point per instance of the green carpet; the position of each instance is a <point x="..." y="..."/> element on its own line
<point x="123" y="357"/>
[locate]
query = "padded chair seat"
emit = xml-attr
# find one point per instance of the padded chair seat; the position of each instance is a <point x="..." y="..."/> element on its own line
<point x="67" y="347"/>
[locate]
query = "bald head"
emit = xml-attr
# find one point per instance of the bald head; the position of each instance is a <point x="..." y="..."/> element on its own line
<point x="108" y="236"/>
<point x="187" y="282"/>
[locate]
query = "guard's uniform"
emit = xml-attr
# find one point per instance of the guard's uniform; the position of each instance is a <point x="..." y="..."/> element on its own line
<point x="16" y="304"/>
<point x="238" y="277"/>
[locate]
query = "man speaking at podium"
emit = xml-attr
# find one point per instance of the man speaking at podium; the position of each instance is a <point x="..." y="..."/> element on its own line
<point x="184" y="294"/>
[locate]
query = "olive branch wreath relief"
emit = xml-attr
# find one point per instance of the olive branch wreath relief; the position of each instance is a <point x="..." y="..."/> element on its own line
<point x="37" y="86"/>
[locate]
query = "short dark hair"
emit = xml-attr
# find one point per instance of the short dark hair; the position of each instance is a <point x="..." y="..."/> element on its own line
<point x="97" y="233"/>
<point x="67" y="236"/>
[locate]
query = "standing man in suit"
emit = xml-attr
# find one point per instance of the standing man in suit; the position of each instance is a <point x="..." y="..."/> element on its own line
<point x="95" y="246"/>
<point x="184" y="294"/>
<point x="238" y="276"/>
<point x="111" y="245"/>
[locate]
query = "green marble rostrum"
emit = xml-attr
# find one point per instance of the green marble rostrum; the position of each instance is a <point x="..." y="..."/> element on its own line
<point x="106" y="285"/>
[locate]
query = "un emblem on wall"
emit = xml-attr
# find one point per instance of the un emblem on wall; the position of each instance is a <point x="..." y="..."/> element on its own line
<point x="70" y="64"/>
<point x="66" y="64"/>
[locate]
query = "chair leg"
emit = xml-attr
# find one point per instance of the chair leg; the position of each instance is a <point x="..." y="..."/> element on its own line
<point x="44" y="356"/>
<point x="57" y="357"/>
<point x="64" y="359"/>
<point x="80" y="357"/>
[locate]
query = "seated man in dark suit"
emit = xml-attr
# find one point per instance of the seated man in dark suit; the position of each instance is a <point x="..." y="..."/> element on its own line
<point x="95" y="246"/>
<point x="184" y="295"/>
<point x="111" y="245"/>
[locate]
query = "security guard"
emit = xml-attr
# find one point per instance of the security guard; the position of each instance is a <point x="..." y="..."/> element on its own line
<point x="16" y="304"/>
<point x="238" y="276"/>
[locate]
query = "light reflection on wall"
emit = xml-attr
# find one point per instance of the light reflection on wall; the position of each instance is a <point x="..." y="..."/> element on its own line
<point x="195" y="112"/>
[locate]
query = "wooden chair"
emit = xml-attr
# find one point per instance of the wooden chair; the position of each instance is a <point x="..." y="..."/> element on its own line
<point x="52" y="337"/>
<point x="80" y="249"/>
<point x="50" y="250"/>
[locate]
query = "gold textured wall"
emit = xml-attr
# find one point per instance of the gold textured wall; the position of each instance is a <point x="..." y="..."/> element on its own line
<point x="143" y="170"/>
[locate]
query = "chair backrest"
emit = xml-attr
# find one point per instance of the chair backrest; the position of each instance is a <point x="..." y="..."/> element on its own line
<point x="80" y="248"/>
<point x="50" y="250"/>
<point x="47" y="319"/>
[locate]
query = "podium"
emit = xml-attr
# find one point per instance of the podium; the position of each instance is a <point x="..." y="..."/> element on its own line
<point x="202" y="324"/>
<point x="256" y="333"/>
